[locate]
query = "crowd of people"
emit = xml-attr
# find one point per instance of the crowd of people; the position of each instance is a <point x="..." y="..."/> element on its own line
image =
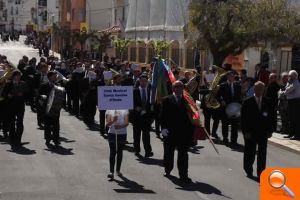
<point x="10" y="36"/>
<point x="261" y="97"/>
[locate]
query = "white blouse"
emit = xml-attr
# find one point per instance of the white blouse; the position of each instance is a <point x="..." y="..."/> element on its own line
<point x="121" y="114"/>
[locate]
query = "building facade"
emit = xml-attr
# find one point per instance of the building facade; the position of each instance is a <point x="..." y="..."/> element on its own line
<point x="161" y="20"/>
<point x="19" y="14"/>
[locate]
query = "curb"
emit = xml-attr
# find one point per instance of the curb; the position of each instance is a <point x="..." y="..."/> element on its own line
<point x="289" y="149"/>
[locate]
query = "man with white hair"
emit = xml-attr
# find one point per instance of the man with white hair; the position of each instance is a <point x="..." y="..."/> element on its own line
<point x="283" y="105"/>
<point x="292" y="92"/>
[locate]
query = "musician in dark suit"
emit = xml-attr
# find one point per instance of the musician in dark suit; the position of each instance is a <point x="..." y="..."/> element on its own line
<point x="142" y="117"/>
<point x="177" y="131"/>
<point x="39" y="79"/>
<point x="51" y="131"/>
<point x="14" y="93"/>
<point x="229" y="92"/>
<point x="256" y="119"/>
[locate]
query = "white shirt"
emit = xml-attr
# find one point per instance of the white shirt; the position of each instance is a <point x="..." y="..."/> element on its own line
<point x="44" y="79"/>
<point x="292" y="90"/>
<point x="121" y="121"/>
<point x="141" y="92"/>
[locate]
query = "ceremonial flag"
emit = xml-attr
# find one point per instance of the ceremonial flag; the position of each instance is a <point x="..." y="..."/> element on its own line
<point x="162" y="76"/>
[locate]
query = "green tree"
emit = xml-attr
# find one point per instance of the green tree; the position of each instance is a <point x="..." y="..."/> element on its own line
<point x="159" y="46"/>
<point x="121" y="45"/>
<point x="82" y="37"/>
<point x="103" y="39"/>
<point x="229" y="27"/>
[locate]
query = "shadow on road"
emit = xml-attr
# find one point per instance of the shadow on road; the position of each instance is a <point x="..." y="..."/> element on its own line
<point x="150" y="161"/>
<point x="22" y="151"/>
<point x="59" y="150"/>
<point x="66" y="140"/>
<point x="203" y="188"/>
<point x="131" y="187"/>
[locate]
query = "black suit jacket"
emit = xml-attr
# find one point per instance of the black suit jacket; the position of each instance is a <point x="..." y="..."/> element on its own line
<point x="174" y="117"/>
<point x="224" y="93"/>
<point x="10" y="94"/>
<point x="136" y="117"/>
<point x="257" y="123"/>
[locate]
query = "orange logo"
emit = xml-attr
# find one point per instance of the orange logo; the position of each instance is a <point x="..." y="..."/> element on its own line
<point x="280" y="184"/>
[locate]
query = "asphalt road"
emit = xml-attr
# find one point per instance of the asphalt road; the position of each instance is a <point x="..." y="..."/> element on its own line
<point x="78" y="169"/>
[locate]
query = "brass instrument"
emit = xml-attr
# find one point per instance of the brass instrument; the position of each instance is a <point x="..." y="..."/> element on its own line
<point x="210" y="99"/>
<point x="193" y="84"/>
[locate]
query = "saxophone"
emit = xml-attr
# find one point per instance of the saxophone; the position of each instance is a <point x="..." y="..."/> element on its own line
<point x="210" y="99"/>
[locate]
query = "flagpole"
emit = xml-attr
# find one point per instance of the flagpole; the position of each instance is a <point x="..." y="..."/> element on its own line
<point x="211" y="141"/>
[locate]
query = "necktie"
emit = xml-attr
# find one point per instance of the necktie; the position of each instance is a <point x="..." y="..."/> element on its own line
<point x="259" y="103"/>
<point x="178" y="100"/>
<point x="144" y="98"/>
<point x="232" y="89"/>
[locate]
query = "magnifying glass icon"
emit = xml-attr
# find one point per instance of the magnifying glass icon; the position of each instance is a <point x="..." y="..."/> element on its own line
<point x="277" y="180"/>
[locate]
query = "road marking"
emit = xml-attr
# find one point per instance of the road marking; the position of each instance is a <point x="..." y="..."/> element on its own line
<point x="202" y="196"/>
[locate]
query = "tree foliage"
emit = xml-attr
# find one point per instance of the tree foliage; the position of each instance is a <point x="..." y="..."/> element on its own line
<point x="121" y="45"/>
<point x="103" y="39"/>
<point x="159" y="46"/>
<point x="229" y="27"/>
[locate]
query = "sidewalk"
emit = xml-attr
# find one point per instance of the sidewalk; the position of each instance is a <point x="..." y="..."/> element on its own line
<point x="285" y="143"/>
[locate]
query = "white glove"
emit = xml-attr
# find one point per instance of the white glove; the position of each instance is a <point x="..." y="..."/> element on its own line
<point x="164" y="132"/>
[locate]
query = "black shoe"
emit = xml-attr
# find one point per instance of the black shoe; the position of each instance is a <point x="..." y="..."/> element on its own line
<point x="167" y="174"/>
<point x="225" y="141"/>
<point x="234" y="144"/>
<point x="287" y="136"/>
<point x="137" y="154"/>
<point x="250" y="175"/>
<point x="57" y="143"/>
<point x="185" y="179"/>
<point x="47" y="143"/>
<point x="216" y="136"/>
<point x="150" y="154"/>
<point x="294" y="138"/>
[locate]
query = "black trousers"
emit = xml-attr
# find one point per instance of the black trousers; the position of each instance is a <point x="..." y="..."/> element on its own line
<point x="51" y="129"/>
<point x="157" y="111"/>
<point x="102" y="121"/>
<point x="293" y="112"/>
<point x="137" y="132"/>
<point x="208" y="115"/>
<point x="16" y="126"/>
<point x="115" y="153"/>
<point x="234" y="129"/>
<point x="250" y="153"/>
<point x="40" y="112"/>
<point x="182" y="159"/>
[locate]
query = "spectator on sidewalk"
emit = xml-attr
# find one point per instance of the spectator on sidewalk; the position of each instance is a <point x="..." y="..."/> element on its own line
<point x="283" y="105"/>
<point x="292" y="92"/>
<point x="272" y="94"/>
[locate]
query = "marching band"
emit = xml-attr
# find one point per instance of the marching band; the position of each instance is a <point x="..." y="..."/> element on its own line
<point x="49" y="85"/>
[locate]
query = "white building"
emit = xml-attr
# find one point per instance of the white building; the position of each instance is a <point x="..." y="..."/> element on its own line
<point x="161" y="20"/>
<point x="52" y="12"/>
<point x="20" y="13"/>
<point x="104" y="14"/>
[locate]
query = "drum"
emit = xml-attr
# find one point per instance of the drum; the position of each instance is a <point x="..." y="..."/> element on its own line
<point x="233" y="110"/>
<point x="55" y="101"/>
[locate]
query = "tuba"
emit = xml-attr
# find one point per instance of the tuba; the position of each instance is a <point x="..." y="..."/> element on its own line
<point x="210" y="99"/>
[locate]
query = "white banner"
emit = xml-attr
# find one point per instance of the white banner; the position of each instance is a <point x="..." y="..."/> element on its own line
<point x="115" y="97"/>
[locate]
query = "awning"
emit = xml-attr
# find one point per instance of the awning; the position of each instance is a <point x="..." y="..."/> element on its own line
<point x="113" y="29"/>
